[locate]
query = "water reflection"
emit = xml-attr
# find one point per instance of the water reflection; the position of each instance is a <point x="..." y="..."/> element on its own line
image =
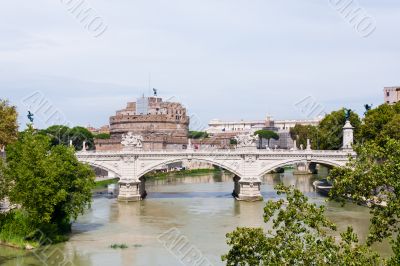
<point x="201" y="207"/>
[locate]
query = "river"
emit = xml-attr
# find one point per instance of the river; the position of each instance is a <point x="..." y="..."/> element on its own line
<point x="198" y="208"/>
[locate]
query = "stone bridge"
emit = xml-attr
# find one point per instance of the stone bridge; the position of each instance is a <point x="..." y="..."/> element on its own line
<point x="247" y="163"/>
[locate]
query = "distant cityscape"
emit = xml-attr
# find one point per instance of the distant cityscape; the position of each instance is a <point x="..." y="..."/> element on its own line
<point x="165" y="125"/>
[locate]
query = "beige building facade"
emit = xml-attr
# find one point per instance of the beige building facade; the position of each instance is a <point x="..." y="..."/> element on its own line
<point x="217" y="126"/>
<point x="225" y="130"/>
<point x="391" y="95"/>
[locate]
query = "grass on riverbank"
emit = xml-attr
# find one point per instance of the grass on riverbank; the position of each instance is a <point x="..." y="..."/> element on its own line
<point x="17" y="232"/>
<point x="183" y="173"/>
<point x="160" y="176"/>
<point x="105" y="183"/>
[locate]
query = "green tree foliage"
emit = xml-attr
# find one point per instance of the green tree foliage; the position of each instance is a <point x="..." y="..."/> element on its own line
<point x="50" y="184"/>
<point x="391" y="129"/>
<point x="62" y="135"/>
<point x="198" y="135"/>
<point x="8" y="123"/>
<point x="301" y="133"/>
<point x="330" y="129"/>
<point x="17" y="229"/>
<point x="299" y="237"/>
<point x="266" y="134"/>
<point x="373" y="177"/>
<point x="381" y="123"/>
<point x="80" y="134"/>
<point x="328" y="135"/>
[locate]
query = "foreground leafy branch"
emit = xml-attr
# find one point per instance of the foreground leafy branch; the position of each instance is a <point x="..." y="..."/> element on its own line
<point x="373" y="179"/>
<point x="299" y="236"/>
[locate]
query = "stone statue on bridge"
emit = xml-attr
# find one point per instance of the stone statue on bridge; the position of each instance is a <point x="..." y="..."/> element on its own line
<point x="30" y="117"/>
<point x="348" y="113"/>
<point x="130" y="140"/>
<point x="246" y="140"/>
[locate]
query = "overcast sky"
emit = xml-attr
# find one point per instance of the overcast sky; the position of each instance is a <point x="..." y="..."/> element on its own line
<point x="227" y="59"/>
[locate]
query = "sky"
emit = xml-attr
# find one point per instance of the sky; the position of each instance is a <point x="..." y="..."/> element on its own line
<point x="226" y="59"/>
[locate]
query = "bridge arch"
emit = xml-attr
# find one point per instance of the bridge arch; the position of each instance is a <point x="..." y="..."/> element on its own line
<point x="284" y="163"/>
<point x="103" y="166"/>
<point x="181" y="159"/>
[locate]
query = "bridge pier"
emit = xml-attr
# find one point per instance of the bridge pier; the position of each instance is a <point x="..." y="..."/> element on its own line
<point x="131" y="190"/>
<point x="247" y="190"/>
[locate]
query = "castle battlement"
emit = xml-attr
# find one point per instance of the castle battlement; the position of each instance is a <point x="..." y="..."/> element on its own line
<point x="161" y="124"/>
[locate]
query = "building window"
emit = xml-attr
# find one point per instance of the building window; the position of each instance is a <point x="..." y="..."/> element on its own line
<point x="387" y="93"/>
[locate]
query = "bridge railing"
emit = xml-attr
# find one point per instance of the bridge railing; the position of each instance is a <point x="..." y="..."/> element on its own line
<point x="219" y="151"/>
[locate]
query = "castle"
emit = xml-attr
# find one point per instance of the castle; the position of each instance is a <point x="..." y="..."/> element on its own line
<point x="163" y="125"/>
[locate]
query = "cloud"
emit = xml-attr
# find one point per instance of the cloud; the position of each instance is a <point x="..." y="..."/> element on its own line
<point x="222" y="59"/>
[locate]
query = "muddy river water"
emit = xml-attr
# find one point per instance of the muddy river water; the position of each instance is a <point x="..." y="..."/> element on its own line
<point x="198" y="208"/>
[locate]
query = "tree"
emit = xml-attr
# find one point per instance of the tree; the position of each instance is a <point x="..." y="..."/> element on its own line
<point x="266" y="134"/>
<point x="330" y="129"/>
<point x="328" y="135"/>
<point x="373" y="178"/>
<point x="80" y="134"/>
<point x="8" y="123"/>
<point x="391" y="129"/>
<point x="60" y="134"/>
<point x="380" y="123"/>
<point x="299" y="237"/>
<point x="301" y="133"/>
<point x="49" y="183"/>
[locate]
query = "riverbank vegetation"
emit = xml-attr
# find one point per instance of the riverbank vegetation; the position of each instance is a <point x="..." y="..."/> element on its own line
<point x="328" y="135"/>
<point x="301" y="233"/>
<point x="161" y="176"/>
<point x="104" y="183"/>
<point x="373" y="177"/>
<point x="377" y="125"/>
<point x="49" y="186"/>
<point x="63" y="135"/>
<point x="182" y="173"/>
